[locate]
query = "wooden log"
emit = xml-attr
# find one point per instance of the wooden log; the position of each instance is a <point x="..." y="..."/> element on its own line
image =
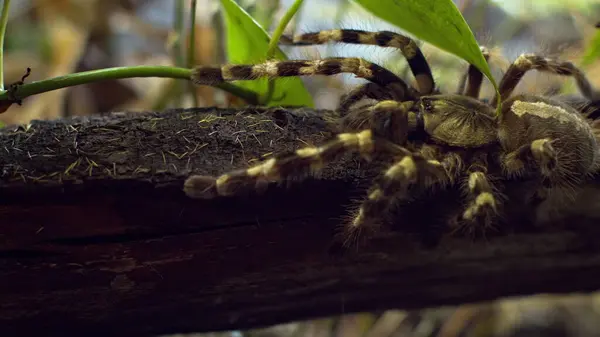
<point x="98" y="238"/>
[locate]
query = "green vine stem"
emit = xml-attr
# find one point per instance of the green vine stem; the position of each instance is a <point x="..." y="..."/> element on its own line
<point x="287" y="17"/>
<point x="285" y="20"/>
<point x="70" y="80"/>
<point x="191" y="50"/>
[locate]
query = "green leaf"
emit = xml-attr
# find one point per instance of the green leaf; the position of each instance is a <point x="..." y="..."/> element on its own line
<point x="438" y="22"/>
<point x="247" y="43"/>
<point x="592" y="52"/>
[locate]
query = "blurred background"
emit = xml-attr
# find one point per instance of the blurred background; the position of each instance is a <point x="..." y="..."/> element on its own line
<point x="58" y="37"/>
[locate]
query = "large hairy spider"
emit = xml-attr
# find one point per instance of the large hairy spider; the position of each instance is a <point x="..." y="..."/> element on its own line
<point x="434" y="140"/>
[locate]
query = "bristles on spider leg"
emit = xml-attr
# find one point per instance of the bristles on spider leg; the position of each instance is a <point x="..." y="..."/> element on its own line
<point x="394" y="181"/>
<point x="297" y="164"/>
<point x="475" y="77"/>
<point x="392" y="185"/>
<point x="209" y="75"/>
<point x="369" y="90"/>
<point x="479" y="215"/>
<point x="413" y="54"/>
<point x="527" y="62"/>
<point x="200" y="187"/>
<point x="233" y="183"/>
<point x="353" y="235"/>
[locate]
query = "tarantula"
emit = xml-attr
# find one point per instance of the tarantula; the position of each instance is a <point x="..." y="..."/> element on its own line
<point x="435" y="140"/>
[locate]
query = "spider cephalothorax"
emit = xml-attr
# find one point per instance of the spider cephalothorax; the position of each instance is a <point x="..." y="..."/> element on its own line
<point x="433" y="139"/>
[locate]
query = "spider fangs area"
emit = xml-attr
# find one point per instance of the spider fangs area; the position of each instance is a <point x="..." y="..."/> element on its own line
<point x="434" y="140"/>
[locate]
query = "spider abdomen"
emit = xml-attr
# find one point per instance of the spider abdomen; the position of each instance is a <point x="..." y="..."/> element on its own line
<point x="561" y="141"/>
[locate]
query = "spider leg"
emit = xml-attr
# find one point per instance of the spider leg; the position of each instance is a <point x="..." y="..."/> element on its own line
<point x="413" y="54"/>
<point x="409" y="169"/>
<point x="559" y="179"/>
<point x="483" y="203"/>
<point x="391" y="120"/>
<point x="211" y="75"/>
<point x="543" y="158"/>
<point x="297" y="164"/>
<point x="527" y="62"/>
<point x="473" y="78"/>
<point x="540" y="152"/>
<point x="373" y="91"/>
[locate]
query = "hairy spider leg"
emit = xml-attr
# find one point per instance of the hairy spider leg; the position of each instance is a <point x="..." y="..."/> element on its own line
<point x="374" y="91"/>
<point x="484" y="201"/>
<point x="409" y="48"/>
<point x="299" y="163"/>
<point x="559" y="183"/>
<point x="388" y="119"/>
<point x="474" y="77"/>
<point x="527" y="62"/>
<point x="542" y="157"/>
<point x="407" y="170"/>
<point x="208" y="75"/>
<point x="540" y="151"/>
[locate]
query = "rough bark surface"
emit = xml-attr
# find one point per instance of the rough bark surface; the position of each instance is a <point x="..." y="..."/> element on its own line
<point x="98" y="239"/>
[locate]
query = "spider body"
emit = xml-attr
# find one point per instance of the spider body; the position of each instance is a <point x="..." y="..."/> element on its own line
<point x="432" y="140"/>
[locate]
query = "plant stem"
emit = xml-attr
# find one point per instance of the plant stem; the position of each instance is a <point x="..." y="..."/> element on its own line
<point x="3" y="24"/>
<point x="119" y="73"/>
<point x="191" y="51"/>
<point x="178" y="28"/>
<point x="174" y="90"/>
<point x="285" y="20"/>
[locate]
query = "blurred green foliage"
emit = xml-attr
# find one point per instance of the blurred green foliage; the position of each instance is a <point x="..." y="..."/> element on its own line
<point x="592" y="52"/>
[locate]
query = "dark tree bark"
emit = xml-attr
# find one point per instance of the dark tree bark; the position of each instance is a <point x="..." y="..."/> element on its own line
<point x="97" y="237"/>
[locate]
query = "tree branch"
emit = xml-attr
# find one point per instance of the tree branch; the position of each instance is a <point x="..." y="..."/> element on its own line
<point x="97" y="237"/>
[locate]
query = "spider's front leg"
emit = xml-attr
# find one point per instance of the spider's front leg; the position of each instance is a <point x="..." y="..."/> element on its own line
<point x="409" y="169"/>
<point x="484" y="201"/>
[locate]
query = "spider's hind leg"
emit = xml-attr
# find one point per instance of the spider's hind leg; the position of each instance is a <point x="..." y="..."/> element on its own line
<point x="527" y="62"/>
<point x="413" y="54"/>
<point x="300" y="163"/>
